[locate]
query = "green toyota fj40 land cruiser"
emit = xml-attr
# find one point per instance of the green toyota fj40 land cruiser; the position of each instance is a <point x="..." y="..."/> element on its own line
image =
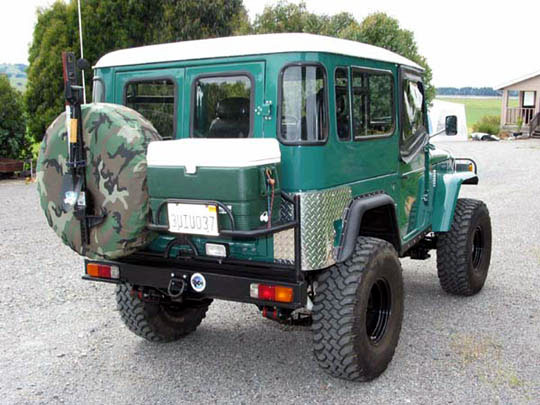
<point x="290" y="171"/>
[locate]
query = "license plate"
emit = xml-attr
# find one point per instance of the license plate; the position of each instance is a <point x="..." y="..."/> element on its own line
<point x="198" y="219"/>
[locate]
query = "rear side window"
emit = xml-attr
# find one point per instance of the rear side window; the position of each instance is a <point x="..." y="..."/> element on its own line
<point x="98" y="90"/>
<point x="342" y="104"/>
<point x="303" y="105"/>
<point x="222" y="107"/>
<point x="373" y="103"/>
<point x="155" y="100"/>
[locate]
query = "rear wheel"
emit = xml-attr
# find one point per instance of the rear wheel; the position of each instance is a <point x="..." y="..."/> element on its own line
<point x="464" y="252"/>
<point x="358" y="311"/>
<point x="159" y="322"/>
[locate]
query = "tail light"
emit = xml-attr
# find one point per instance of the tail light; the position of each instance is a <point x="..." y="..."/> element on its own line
<point x="102" y="270"/>
<point x="275" y="293"/>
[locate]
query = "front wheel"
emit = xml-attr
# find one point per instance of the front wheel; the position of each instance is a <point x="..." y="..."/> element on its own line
<point x="358" y="311"/>
<point x="464" y="252"/>
<point x="159" y="322"/>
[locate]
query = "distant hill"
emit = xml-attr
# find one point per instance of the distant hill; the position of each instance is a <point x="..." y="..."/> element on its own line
<point x="468" y="91"/>
<point x="16" y="74"/>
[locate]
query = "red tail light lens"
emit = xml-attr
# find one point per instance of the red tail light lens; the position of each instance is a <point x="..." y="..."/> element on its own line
<point x="267" y="292"/>
<point x="276" y="293"/>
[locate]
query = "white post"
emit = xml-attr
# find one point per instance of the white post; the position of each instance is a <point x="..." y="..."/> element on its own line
<point x="82" y="53"/>
<point x="504" y="108"/>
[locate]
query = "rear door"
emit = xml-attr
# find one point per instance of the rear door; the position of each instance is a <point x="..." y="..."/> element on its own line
<point x="226" y="101"/>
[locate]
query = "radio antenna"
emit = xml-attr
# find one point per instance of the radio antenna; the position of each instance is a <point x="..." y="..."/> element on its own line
<point x="82" y="52"/>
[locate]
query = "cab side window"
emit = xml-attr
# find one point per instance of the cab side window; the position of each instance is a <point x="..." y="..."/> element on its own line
<point x="413" y="112"/>
<point x="373" y="103"/>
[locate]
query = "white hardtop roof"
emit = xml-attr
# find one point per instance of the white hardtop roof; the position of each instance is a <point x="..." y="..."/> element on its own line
<point x="519" y="80"/>
<point x="248" y="45"/>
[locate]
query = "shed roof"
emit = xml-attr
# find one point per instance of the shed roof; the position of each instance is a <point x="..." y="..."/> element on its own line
<point x="248" y="45"/>
<point x="519" y="80"/>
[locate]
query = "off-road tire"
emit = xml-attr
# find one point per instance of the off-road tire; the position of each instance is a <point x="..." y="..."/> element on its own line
<point x="464" y="252"/>
<point x="347" y="342"/>
<point x="158" y="322"/>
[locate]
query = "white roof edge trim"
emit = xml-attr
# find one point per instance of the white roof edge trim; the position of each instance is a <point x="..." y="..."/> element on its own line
<point x="192" y="153"/>
<point x="515" y="81"/>
<point x="248" y="45"/>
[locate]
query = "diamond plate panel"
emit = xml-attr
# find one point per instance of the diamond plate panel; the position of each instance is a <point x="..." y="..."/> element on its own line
<point x="284" y="246"/>
<point x="318" y="212"/>
<point x="286" y="211"/>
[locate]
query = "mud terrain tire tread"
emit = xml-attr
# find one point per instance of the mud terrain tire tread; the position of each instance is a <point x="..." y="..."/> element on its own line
<point x="454" y="266"/>
<point x="150" y="320"/>
<point x="340" y="343"/>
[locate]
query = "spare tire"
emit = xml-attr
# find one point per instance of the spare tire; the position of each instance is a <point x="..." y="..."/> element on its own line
<point x="116" y="139"/>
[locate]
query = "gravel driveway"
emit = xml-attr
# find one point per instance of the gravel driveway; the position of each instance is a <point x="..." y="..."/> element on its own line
<point x="62" y="341"/>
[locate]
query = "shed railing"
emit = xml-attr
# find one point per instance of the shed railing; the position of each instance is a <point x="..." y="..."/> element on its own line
<point x="534" y="125"/>
<point x="513" y="114"/>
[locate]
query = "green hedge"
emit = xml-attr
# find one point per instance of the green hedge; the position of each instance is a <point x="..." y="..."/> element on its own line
<point x="489" y="124"/>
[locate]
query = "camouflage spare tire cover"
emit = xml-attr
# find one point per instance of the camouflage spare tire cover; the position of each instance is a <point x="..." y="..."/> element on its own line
<point x="116" y="139"/>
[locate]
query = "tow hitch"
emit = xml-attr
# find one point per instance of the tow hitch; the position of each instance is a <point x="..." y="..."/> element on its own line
<point x="287" y="316"/>
<point x="176" y="287"/>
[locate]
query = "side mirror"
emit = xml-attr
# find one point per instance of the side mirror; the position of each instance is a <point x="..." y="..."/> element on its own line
<point x="450" y="126"/>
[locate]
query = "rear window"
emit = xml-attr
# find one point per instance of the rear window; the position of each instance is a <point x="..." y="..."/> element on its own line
<point x="303" y="105"/>
<point x="222" y="107"/>
<point x="155" y="100"/>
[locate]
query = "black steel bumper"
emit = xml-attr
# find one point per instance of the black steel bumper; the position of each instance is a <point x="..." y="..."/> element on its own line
<point x="227" y="280"/>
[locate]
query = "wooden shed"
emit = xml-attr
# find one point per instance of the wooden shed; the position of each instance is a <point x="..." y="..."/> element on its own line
<point x="528" y="109"/>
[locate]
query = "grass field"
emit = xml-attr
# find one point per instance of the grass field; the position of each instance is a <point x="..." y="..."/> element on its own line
<point x="476" y="108"/>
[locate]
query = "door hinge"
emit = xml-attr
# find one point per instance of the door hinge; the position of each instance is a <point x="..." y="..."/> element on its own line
<point x="265" y="110"/>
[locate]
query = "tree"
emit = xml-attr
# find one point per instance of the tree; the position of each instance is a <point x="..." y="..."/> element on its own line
<point x="109" y="25"/>
<point x="12" y="124"/>
<point x="376" y="29"/>
<point x="381" y="30"/>
<point x="285" y="17"/>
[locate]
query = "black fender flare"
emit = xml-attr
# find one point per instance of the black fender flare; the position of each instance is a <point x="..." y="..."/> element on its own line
<point x="353" y="219"/>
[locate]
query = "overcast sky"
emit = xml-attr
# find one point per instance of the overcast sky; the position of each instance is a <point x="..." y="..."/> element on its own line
<point x="466" y="42"/>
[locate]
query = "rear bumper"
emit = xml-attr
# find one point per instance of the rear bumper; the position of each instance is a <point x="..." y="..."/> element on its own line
<point x="227" y="281"/>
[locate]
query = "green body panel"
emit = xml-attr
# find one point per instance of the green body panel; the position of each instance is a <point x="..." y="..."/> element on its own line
<point x="370" y="165"/>
<point x="260" y="249"/>
<point x="243" y="189"/>
<point x="438" y="155"/>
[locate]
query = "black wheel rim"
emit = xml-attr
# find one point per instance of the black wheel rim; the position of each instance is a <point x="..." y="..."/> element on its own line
<point x="378" y="310"/>
<point x="477" y="247"/>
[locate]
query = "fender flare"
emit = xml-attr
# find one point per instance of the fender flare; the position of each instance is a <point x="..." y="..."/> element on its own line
<point x="353" y="219"/>
<point x="446" y="196"/>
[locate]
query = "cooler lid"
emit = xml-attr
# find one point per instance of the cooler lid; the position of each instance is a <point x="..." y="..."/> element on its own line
<point x="204" y="152"/>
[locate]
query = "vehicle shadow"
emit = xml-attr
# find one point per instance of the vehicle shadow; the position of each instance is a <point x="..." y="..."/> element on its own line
<point x="244" y="353"/>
